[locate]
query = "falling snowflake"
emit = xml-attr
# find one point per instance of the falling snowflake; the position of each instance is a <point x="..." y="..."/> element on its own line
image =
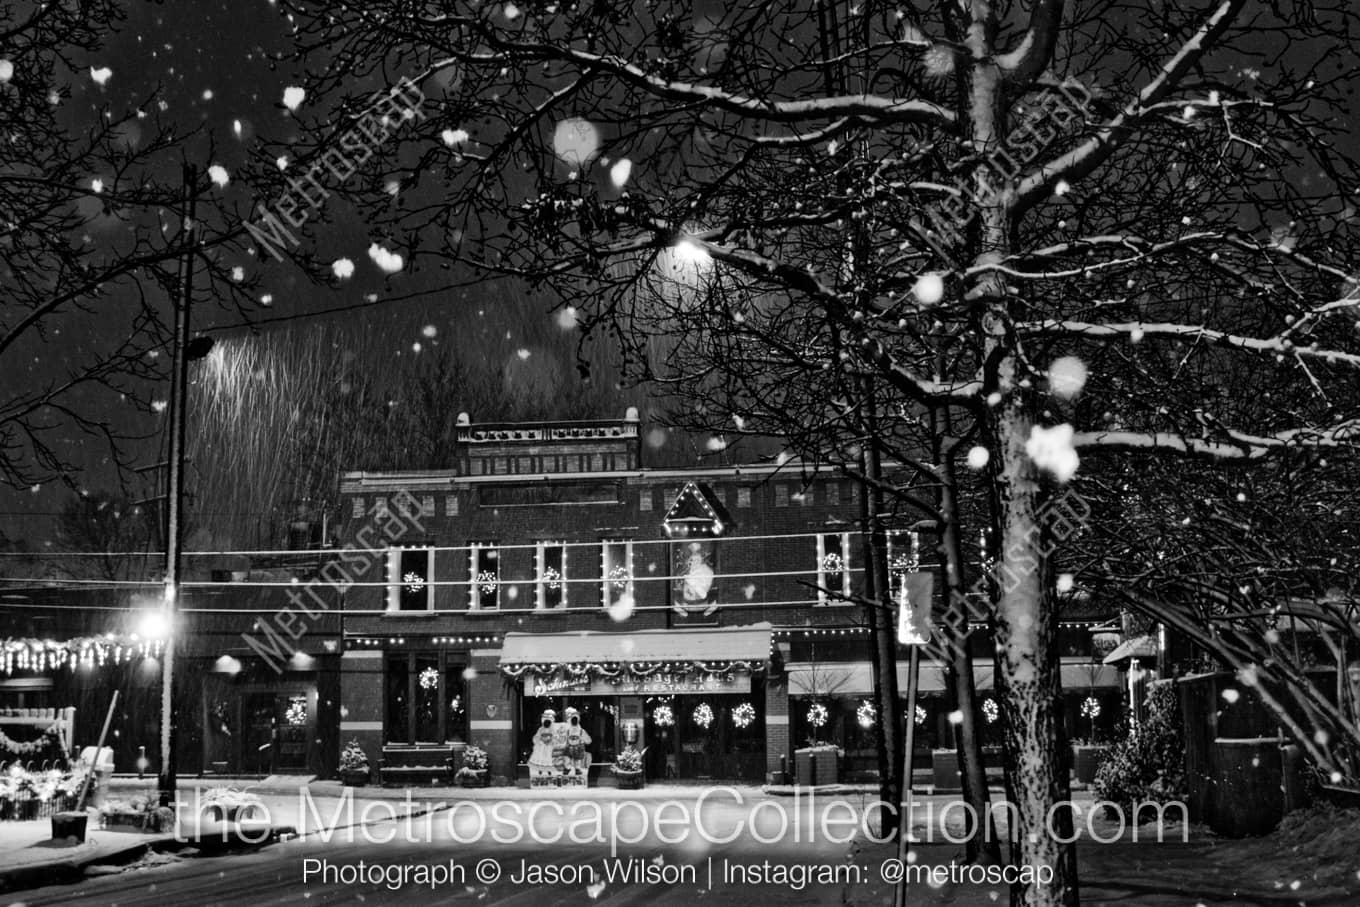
<point x="1067" y="376"/>
<point x="453" y="137"/>
<point x="342" y="268"/>
<point x="662" y="716"/>
<point x="1051" y="450"/>
<point x="292" y="97"/>
<point x="619" y="173"/>
<point x="6" y="70"/>
<point x="929" y="289"/>
<point x="101" y="75"/>
<point x="387" y="262"/>
<point x="817" y="715"/>
<point x="743" y="715"/>
<point x="703" y="715"/>
<point x="218" y="174"/>
<point x="866" y="714"/>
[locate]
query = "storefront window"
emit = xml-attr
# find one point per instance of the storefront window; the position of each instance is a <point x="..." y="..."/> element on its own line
<point x="599" y="717"/>
<point x="701" y="736"/>
<point x="426" y="698"/>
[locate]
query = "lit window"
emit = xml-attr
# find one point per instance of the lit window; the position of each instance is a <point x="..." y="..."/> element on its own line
<point x="833" y="568"/>
<point x="552" y="575"/>
<point x="357" y="508"/>
<point x="409" y="575"/>
<point x="903" y="559"/>
<point x="484" y="559"/>
<point x="616" y="571"/>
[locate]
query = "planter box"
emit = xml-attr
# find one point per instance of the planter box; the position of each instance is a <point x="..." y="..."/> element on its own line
<point x="219" y="813"/>
<point x="477" y="778"/>
<point x="629" y="780"/>
<point x="944" y="770"/>
<point x="354" y="778"/>
<point x="1087" y="760"/>
<point x="816" y="767"/>
<point x="69" y="825"/>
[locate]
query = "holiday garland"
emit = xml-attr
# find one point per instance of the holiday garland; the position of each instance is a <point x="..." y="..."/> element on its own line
<point x="49" y="737"/>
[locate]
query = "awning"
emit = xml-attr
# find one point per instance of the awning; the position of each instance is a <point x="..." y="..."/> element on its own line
<point x="1138" y="647"/>
<point x="856" y="678"/>
<point x="717" y="644"/>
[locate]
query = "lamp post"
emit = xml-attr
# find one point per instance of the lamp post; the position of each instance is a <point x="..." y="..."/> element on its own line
<point x="166" y="782"/>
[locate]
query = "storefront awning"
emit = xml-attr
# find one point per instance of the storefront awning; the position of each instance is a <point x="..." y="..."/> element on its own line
<point x="856" y="678"/>
<point x="708" y="645"/>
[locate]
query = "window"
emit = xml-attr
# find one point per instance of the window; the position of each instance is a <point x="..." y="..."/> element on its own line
<point x="743" y="497"/>
<point x="427" y="505"/>
<point x="426" y="698"/>
<point x="903" y="558"/>
<point x="833" y="567"/>
<point x="694" y="587"/>
<point x="833" y="494"/>
<point x="409" y="574"/>
<point x="781" y="495"/>
<point x="357" y="508"/>
<point x="552" y="575"/>
<point x="645" y="499"/>
<point x="616" y="571"/>
<point x="451" y="505"/>
<point x="484" y="559"/>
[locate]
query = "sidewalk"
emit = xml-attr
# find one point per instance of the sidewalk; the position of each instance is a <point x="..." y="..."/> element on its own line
<point x="29" y="856"/>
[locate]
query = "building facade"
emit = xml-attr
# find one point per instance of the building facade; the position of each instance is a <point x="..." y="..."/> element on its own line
<point x="705" y="614"/>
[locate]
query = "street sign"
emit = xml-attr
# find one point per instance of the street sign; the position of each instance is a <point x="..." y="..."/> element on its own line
<point x="914" y="600"/>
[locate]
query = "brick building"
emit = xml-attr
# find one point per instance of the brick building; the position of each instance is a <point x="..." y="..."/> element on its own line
<point x="698" y="611"/>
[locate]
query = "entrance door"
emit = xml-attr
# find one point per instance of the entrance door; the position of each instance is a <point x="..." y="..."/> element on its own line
<point x="257" y="743"/>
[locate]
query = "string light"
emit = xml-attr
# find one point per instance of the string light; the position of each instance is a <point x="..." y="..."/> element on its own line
<point x="41" y="655"/>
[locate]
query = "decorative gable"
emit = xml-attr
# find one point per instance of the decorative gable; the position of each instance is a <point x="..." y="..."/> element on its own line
<point x="695" y="513"/>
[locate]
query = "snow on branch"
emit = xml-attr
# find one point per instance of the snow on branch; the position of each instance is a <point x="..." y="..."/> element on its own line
<point x="1234" y="445"/>
<point x="1276" y="345"/>
<point x="1028" y="59"/>
<point x="1090" y="154"/>
<point x="872" y="106"/>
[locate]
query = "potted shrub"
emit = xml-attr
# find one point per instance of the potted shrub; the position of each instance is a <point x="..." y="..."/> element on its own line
<point x="474" y="770"/>
<point x="628" y="768"/>
<point x="354" y="770"/>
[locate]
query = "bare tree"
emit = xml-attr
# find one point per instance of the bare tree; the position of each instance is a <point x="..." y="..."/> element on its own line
<point x="1056" y="193"/>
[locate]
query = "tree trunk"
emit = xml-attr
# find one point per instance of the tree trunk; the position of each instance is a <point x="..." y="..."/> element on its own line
<point x="960" y="687"/>
<point x="882" y="638"/>
<point x="1025" y="622"/>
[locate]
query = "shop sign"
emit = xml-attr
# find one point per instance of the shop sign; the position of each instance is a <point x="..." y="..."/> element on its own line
<point x="654" y="684"/>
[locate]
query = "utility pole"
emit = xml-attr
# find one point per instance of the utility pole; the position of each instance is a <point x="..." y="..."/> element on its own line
<point x="166" y="782"/>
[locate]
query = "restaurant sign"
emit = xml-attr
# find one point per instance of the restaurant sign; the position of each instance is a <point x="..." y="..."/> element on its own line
<point x="660" y="683"/>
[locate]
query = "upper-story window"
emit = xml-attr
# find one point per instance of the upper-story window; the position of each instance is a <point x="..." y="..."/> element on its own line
<point x="833" y="568"/>
<point x="904" y="554"/>
<point x="551" y="561"/>
<point x="485" y="570"/>
<point x="410" y="573"/>
<point x="616" y="572"/>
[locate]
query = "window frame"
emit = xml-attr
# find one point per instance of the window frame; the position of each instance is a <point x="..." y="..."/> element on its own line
<point x="476" y="597"/>
<point x="606" y="568"/>
<point x="823" y="575"/>
<point x="541" y="590"/>
<point x="396" y="581"/>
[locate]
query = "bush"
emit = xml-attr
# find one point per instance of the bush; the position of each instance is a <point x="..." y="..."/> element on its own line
<point x="630" y="760"/>
<point x="1147" y="765"/>
<point x="475" y="758"/>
